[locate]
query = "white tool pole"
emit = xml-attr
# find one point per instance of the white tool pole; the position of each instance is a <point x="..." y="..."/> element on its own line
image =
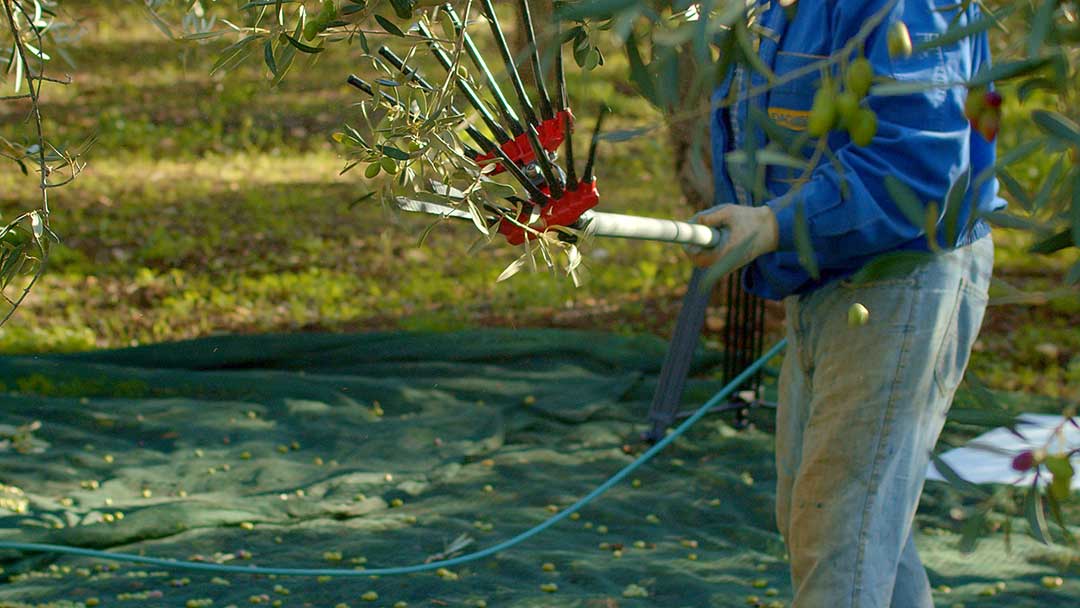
<point x="617" y="225"/>
<point x="609" y="225"/>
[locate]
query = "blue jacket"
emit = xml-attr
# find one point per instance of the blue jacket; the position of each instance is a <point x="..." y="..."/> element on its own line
<point x="923" y="139"/>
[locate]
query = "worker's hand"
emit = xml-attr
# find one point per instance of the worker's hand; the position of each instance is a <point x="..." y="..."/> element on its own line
<point x="752" y="232"/>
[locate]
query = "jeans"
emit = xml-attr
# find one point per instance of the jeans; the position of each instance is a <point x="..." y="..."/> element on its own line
<point x="860" y="409"/>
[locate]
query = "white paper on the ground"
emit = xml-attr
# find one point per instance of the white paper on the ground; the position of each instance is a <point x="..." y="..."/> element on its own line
<point x="988" y="457"/>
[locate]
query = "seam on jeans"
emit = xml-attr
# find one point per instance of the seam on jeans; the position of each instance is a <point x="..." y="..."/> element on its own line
<point x="886" y="424"/>
<point x="802" y="331"/>
<point x="952" y="334"/>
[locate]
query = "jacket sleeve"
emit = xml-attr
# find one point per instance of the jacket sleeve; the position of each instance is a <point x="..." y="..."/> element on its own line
<point x="923" y="139"/>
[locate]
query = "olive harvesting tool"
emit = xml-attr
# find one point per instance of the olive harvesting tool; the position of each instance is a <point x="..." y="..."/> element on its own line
<point x="522" y="140"/>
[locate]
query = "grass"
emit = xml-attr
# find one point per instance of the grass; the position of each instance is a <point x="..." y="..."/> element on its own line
<point x="214" y="204"/>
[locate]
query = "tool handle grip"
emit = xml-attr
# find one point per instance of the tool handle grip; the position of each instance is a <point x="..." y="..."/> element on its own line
<point x="617" y="225"/>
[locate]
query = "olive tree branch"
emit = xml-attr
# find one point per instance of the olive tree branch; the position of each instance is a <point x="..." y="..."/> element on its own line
<point x="35" y="101"/>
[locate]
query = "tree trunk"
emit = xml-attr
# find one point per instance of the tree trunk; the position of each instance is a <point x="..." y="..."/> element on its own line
<point x="692" y="159"/>
<point x="542" y="26"/>
<point x="688" y="135"/>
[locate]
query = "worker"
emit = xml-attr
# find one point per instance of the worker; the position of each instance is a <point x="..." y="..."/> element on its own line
<point x="861" y="405"/>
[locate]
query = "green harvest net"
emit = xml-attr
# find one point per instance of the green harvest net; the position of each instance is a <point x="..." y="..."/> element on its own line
<point x="352" y="451"/>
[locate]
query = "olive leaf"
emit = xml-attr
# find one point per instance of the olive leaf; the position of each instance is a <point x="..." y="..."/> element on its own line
<point x="1074" y="209"/>
<point x="905" y="199"/>
<point x="957" y="34"/>
<point x="389" y="26"/>
<point x="1073" y="276"/>
<point x="890" y="265"/>
<point x="1049" y="183"/>
<point x="1036" y="517"/>
<point x="593" y="9"/>
<point x="954" y="201"/>
<point x="980" y="417"/>
<point x="1040" y="27"/>
<point x="972" y="531"/>
<point x="305" y="48"/>
<point x="803" y="245"/>
<point x="394" y="153"/>
<point x="515" y="267"/>
<point x="1056" y="125"/>
<point x="1029" y="86"/>
<point x="1054" y="243"/>
<point x="1015" y="189"/>
<point x="955" y="479"/>
<point x="478" y="219"/>
<point x="1007" y="70"/>
<point x="403" y="8"/>
<point x="930" y="225"/>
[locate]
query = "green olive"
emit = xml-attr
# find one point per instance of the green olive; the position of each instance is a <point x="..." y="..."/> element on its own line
<point x="857" y="315"/>
<point x="847" y="105"/>
<point x="1050" y="582"/>
<point x="859" y="77"/>
<point x="822" y="112"/>
<point x="311" y="29"/>
<point x="899" y="40"/>
<point x="863" y="128"/>
<point x="327" y="13"/>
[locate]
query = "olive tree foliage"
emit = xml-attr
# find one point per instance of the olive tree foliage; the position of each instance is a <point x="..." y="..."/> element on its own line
<point x="676" y="52"/>
<point x="28" y="33"/>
